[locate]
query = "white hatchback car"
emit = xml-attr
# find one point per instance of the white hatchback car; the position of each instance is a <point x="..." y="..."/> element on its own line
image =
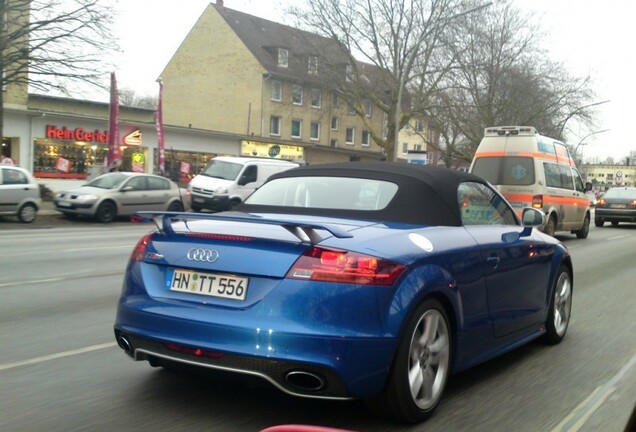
<point x="19" y="193"/>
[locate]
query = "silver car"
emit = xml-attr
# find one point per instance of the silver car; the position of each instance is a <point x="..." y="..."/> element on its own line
<point x="122" y="194"/>
<point x="19" y="193"/>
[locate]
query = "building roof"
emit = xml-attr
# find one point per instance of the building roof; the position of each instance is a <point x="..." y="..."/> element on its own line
<point x="263" y="38"/>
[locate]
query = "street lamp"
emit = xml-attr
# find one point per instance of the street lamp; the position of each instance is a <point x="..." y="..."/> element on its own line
<point x="587" y="136"/>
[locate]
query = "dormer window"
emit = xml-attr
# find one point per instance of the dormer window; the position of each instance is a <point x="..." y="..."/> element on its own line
<point x="283" y="57"/>
<point x="312" y="66"/>
<point x="349" y="73"/>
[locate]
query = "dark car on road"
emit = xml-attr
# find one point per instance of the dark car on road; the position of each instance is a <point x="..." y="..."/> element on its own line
<point x="369" y="281"/>
<point x="617" y="205"/>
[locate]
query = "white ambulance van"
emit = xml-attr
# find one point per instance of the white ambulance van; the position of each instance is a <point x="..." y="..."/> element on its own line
<point x="227" y="180"/>
<point x="532" y="170"/>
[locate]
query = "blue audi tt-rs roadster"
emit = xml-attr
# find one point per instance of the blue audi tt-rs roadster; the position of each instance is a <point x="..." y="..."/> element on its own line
<point x="368" y="280"/>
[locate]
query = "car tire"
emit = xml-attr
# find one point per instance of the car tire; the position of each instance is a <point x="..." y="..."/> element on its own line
<point x="106" y="212"/>
<point x="175" y="206"/>
<point x="196" y="209"/>
<point x="614" y="223"/>
<point x="420" y="368"/>
<point x="560" y="308"/>
<point x="550" y="226"/>
<point x="585" y="229"/>
<point x="599" y="223"/>
<point x="27" y="213"/>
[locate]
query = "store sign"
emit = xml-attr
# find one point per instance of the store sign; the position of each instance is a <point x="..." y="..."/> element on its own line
<point x="138" y="162"/>
<point x="272" y="150"/>
<point x="63" y="165"/>
<point x="77" y="134"/>
<point x="133" y="138"/>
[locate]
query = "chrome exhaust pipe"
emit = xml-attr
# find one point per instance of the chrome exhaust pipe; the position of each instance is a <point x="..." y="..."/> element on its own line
<point x="124" y="344"/>
<point x="306" y="381"/>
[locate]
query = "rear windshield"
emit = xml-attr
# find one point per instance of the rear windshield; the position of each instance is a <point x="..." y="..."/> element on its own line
<point x="621" y="193"/>
<point x="508" y="170"/>
<point x="222" y="169"/>
<point x="342" y="193"/>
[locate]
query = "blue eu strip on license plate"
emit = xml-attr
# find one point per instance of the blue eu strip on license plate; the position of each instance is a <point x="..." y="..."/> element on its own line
<point x="210" y="284"/>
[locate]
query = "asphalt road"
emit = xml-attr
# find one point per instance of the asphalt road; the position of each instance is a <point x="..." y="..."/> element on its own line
<point x="60" y="369"/>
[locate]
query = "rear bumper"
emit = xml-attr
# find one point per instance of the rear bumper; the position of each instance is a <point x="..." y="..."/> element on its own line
<point x="316" y="381"/>
<point x="609" y="214"/>
<point x="347" y="367"/>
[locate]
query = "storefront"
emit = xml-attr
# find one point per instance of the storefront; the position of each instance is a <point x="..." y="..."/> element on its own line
<point x="74" y="153"/>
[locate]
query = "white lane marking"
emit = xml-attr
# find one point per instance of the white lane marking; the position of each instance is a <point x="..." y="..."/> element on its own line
<point x="582" y="413"/>
<point x="617" y="237"/>
<point x="57" y="251"/>
<point x="70" y="353"/>
<point x="59" y="279"/>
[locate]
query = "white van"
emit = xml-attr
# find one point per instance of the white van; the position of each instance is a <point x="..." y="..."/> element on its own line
<point x="532" y="170"/>
<point x="227" y="180"/>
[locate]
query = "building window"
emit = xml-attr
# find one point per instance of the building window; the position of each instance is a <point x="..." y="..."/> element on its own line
<point x="349" y="73"/>
<point x="296" y="128"/>
<point x="315" y="131"/>
<point x="350" y="108"/>
<point x="365" y="137"/>
<point x="405" y="148"/>
<point x="419" y="126"/>
<point x="334" y="123"/>
<point x="417" y="147"/>
<point x="316" y="98"/>
<point x="350" y="135"/>
<point x="368" y="106"/>
<point x="277" y="91"/>
<point x="312" y="66"/>
<point x="274" y="125"/>
<point x="297" y="94"/>
<point x="283" y="57"/>
<point x="334" y="143"/>
<point x="335" y="99"/>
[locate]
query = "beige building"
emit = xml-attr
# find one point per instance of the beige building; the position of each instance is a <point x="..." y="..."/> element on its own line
<point x="241" y="74"/>
<point x="603" y="176"/>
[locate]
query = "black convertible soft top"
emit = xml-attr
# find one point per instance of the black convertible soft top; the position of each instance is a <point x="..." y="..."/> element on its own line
<point x="426" y="195"/>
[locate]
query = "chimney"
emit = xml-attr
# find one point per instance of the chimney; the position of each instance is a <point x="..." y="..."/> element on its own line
<point x="219" y="4"/>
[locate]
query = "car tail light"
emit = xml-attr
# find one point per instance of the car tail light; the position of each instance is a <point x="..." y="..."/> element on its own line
<point x="329" y="265"/>
<point x="140" y="250"/>
<point x="537" y="201"/>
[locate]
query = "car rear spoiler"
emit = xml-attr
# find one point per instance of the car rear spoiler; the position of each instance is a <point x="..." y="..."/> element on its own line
<point x="302" y="230"/>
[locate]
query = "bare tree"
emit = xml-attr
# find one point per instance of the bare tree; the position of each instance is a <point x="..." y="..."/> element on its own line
<point x="388" y="51"/>
<point x="128" y="97"/>
<point x="52" y="44"/>
<point x="505" y="77"/>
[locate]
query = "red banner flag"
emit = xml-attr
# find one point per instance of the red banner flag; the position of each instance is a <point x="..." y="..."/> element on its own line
<point x="160" y="135"/>
<point x="114" y="150"/>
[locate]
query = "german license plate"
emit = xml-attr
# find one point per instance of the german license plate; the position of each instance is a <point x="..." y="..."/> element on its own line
<point x="210" y="284"/>
<point x="199" y="200"/>
<point x="618" y="206"/>
<point x="63" y="204"/>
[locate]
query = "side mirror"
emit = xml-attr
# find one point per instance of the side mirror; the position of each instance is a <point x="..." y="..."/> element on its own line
<point x="532" y="217"/>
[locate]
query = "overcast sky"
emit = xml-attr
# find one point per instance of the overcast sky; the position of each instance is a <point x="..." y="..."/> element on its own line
<point x="590" y="36"/>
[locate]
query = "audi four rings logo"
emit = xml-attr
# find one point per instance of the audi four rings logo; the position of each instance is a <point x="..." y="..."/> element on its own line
<point x="203" y="255"/>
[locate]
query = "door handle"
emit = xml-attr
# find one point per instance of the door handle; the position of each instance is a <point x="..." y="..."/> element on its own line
<point x="493" y="260"/>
